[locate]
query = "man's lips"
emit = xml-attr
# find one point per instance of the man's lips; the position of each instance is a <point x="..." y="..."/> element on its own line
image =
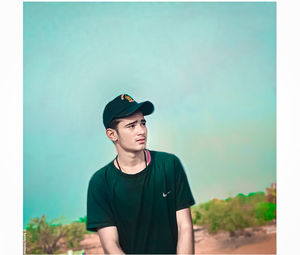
<point x="141" y="139"/>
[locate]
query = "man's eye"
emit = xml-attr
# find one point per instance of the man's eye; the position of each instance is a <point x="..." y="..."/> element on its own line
<point x="131" y="126"/>
<point x="144" y="123"/>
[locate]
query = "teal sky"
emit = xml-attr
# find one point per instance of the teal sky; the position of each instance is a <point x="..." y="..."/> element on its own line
<point x="209" y="69"/>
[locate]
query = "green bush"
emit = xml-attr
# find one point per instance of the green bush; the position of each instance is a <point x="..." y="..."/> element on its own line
<point x="265" y="211"/>
<point x="50" y="238"/>
<point x="234" y="213"/>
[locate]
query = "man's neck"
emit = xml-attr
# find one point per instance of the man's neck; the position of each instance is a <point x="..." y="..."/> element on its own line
<point x="131" y="162"/>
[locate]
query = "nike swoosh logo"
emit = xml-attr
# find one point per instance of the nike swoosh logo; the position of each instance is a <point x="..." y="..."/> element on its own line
<point x="166" y="194"/>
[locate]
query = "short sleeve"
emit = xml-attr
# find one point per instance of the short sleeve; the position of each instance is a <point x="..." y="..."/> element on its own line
<point x="99" y="212"/>
<point x="184" y="196"/>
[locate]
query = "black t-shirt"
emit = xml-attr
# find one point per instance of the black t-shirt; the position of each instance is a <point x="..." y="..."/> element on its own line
<point x="142" y="206"/>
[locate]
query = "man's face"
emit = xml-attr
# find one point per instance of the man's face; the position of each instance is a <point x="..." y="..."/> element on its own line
<point x="132" y="132"/>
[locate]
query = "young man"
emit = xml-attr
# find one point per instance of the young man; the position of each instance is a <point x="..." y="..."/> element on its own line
<point x="140" y="201"/>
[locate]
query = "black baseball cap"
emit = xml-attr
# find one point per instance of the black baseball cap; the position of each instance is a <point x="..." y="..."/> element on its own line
<point x="124" y="106"/>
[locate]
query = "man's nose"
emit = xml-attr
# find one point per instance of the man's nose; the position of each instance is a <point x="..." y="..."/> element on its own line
<point x="142" y="129"/>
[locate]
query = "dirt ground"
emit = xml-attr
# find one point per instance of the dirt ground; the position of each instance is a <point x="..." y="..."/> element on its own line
<point x="260" y="240"/>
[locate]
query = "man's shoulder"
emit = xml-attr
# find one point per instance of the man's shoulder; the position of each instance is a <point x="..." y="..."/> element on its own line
<point x="165" y="156"/>
<point x="101" y="173"/>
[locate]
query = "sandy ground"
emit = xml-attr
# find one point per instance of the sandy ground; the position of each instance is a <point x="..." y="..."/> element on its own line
<point x="260" y="240"/>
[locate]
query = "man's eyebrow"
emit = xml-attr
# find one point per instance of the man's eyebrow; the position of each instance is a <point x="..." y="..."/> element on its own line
<point x="134" y="122"/>
<point x="131" y="123"/>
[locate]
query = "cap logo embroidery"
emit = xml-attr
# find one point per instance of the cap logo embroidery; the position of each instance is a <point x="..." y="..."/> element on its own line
<point x="128" y="98"/>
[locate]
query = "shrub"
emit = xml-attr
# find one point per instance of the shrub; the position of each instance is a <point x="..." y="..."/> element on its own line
<point x="50" y="238"/>
<point x="265" y="211"/>
<point x="234" y="213"/>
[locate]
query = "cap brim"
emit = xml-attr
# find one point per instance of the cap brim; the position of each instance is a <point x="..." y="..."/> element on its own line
<point x="145" y="107"/>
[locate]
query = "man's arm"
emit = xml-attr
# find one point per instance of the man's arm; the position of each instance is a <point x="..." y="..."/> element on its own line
<point x="185" y="244"/>
<point x="109" y="239"/>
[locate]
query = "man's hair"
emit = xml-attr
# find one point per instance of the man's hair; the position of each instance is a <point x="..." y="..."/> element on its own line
<point x="114" y="124"/>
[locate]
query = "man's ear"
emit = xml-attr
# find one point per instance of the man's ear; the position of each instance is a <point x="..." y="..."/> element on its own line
<point x="112" y="134"/>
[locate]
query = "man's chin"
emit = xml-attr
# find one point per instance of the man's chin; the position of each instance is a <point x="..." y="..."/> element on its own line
<point x="140" y="148"/>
